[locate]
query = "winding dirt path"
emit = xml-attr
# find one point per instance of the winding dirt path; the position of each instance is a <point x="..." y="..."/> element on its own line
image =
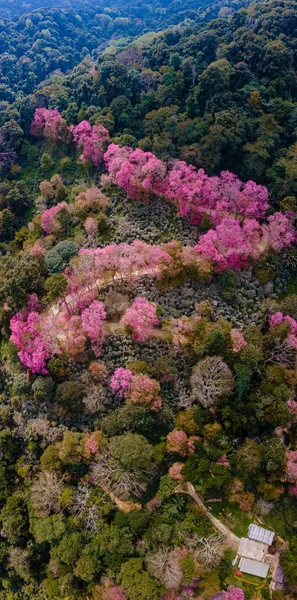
<point x="125" y="505"/>
<point x="231" y="539"/>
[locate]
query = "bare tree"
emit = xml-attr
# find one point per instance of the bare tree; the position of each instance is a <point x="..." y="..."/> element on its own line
<point x="208" y="550"/>
<point x="84" y="507"/>
<point x="165" y="565"/>
<point x="263" y="507"/>
<point x="40" y="426"/>
<point x="18" y="560"/>
<point x="96" y="399"/>
<point x="46" y="491"/>
<point x="124" y="483"/>
<point x="211" y="378"/>
<point x="282" y="354"/>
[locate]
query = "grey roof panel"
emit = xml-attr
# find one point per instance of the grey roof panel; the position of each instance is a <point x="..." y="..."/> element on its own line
<point x="260" y="534"/>
<point x="253" y="567"/>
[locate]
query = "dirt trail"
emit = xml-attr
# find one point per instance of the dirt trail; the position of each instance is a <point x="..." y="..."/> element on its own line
<point x="70" y="299"/>
<point x="231" y="539"/>
<point x="125" y="506"/>
<point x="117" y="327"/>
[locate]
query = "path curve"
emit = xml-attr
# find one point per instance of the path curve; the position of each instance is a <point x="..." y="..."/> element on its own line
<point x="231" y="539"/>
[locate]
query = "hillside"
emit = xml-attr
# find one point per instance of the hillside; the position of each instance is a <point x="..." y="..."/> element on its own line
<point x="148" y="300"/>
<point x="56" y="37"/>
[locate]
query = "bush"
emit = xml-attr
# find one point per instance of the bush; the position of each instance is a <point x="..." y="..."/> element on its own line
<point x="43" y="389"/>
<point x="214" y="341"/>
<point x="58" y="257"/>
<point x="46" y="162"/>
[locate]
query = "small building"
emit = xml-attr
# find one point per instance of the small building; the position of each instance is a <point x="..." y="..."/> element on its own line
<point x="260" y="534"/>
<point x="252" y="549"/>
<point x="278" y="579"/>
<point x="253" y="567"/>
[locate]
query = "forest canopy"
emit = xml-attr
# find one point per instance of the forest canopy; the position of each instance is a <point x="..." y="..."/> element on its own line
<point x="148" y="298"/>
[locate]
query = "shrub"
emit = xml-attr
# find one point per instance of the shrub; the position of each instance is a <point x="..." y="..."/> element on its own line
<point x="58" y="257"/>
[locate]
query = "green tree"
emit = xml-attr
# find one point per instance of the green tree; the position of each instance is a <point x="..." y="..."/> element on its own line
<point x="132" y="450"/>
<point x="288" y="560"/>
<point x="137" y="583"/>
<point x="46" y="162"/>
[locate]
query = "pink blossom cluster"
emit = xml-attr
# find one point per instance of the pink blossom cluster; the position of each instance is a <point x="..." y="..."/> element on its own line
<point x="292" y="406"/>
<point x="139" y="173"/>
<point x="27" y="336"/>
<point x="222" y="460"/>
<point x="231" y="244"/>
<point x="50" y="124"/>
<point x="145" y="390"/>
<point x="91" y="446"/>
<point x="182" y="329"/>
<point x="234" y="593"/>
<point x="41" y="336"/>
<point x="93" y="266"/>
<point x="49" y="223"/>
<point x="135" y="259"/>
<point x="238" y="341"/>
<point x="92" y="139"/>
<point x="138" y="389"/>
<point x="140" y="319"/>
<point x="92" y="319"/>
<point x="179" y="442"/>
<point x="114" y="593"/>
<point x="92" y="443"/>
<point x="291" y="460"/>
<point x="91" y="226"/>
<point x="142" y="174"/>
<point x="120" y="382"/>
<point x="37" y="250"/>
<point x="92" y="199"/>
<point x="175" y="471"/>
<point x="66" y="334"/>
<point x="278" y="318"/>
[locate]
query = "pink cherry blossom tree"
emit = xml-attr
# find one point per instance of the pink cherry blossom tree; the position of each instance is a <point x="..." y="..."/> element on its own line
<point x="178" y="442"/>
<point x="114" y="593"/>
<point x="291" y="465"/>
<point x="26" y="334"/>
<point x="92" y="199"/>
<point x="92" y="319"/>
<point x="50" y="124"/>
<point x="238" y="341"/>
<point x="193" y="192"/>
<point x="233" y="593"/>
<point x="140" y="319"/>
<point x="278" y="318"/>
<point x="49" y="223"/>
<point x="231" y="244"/>
<point x="175" y="471"/>
<point x="92" y="139"/>
<point x="120" y="383"/>
<point x="145" y="390"/>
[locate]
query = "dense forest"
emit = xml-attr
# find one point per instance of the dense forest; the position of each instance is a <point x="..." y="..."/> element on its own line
<point x="148" y="298"/>
<point x="35" y="45"/>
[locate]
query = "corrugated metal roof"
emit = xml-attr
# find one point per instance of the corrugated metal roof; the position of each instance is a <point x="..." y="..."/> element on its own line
<point x="253" y="567"/>
<point x="260" y="534"/>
